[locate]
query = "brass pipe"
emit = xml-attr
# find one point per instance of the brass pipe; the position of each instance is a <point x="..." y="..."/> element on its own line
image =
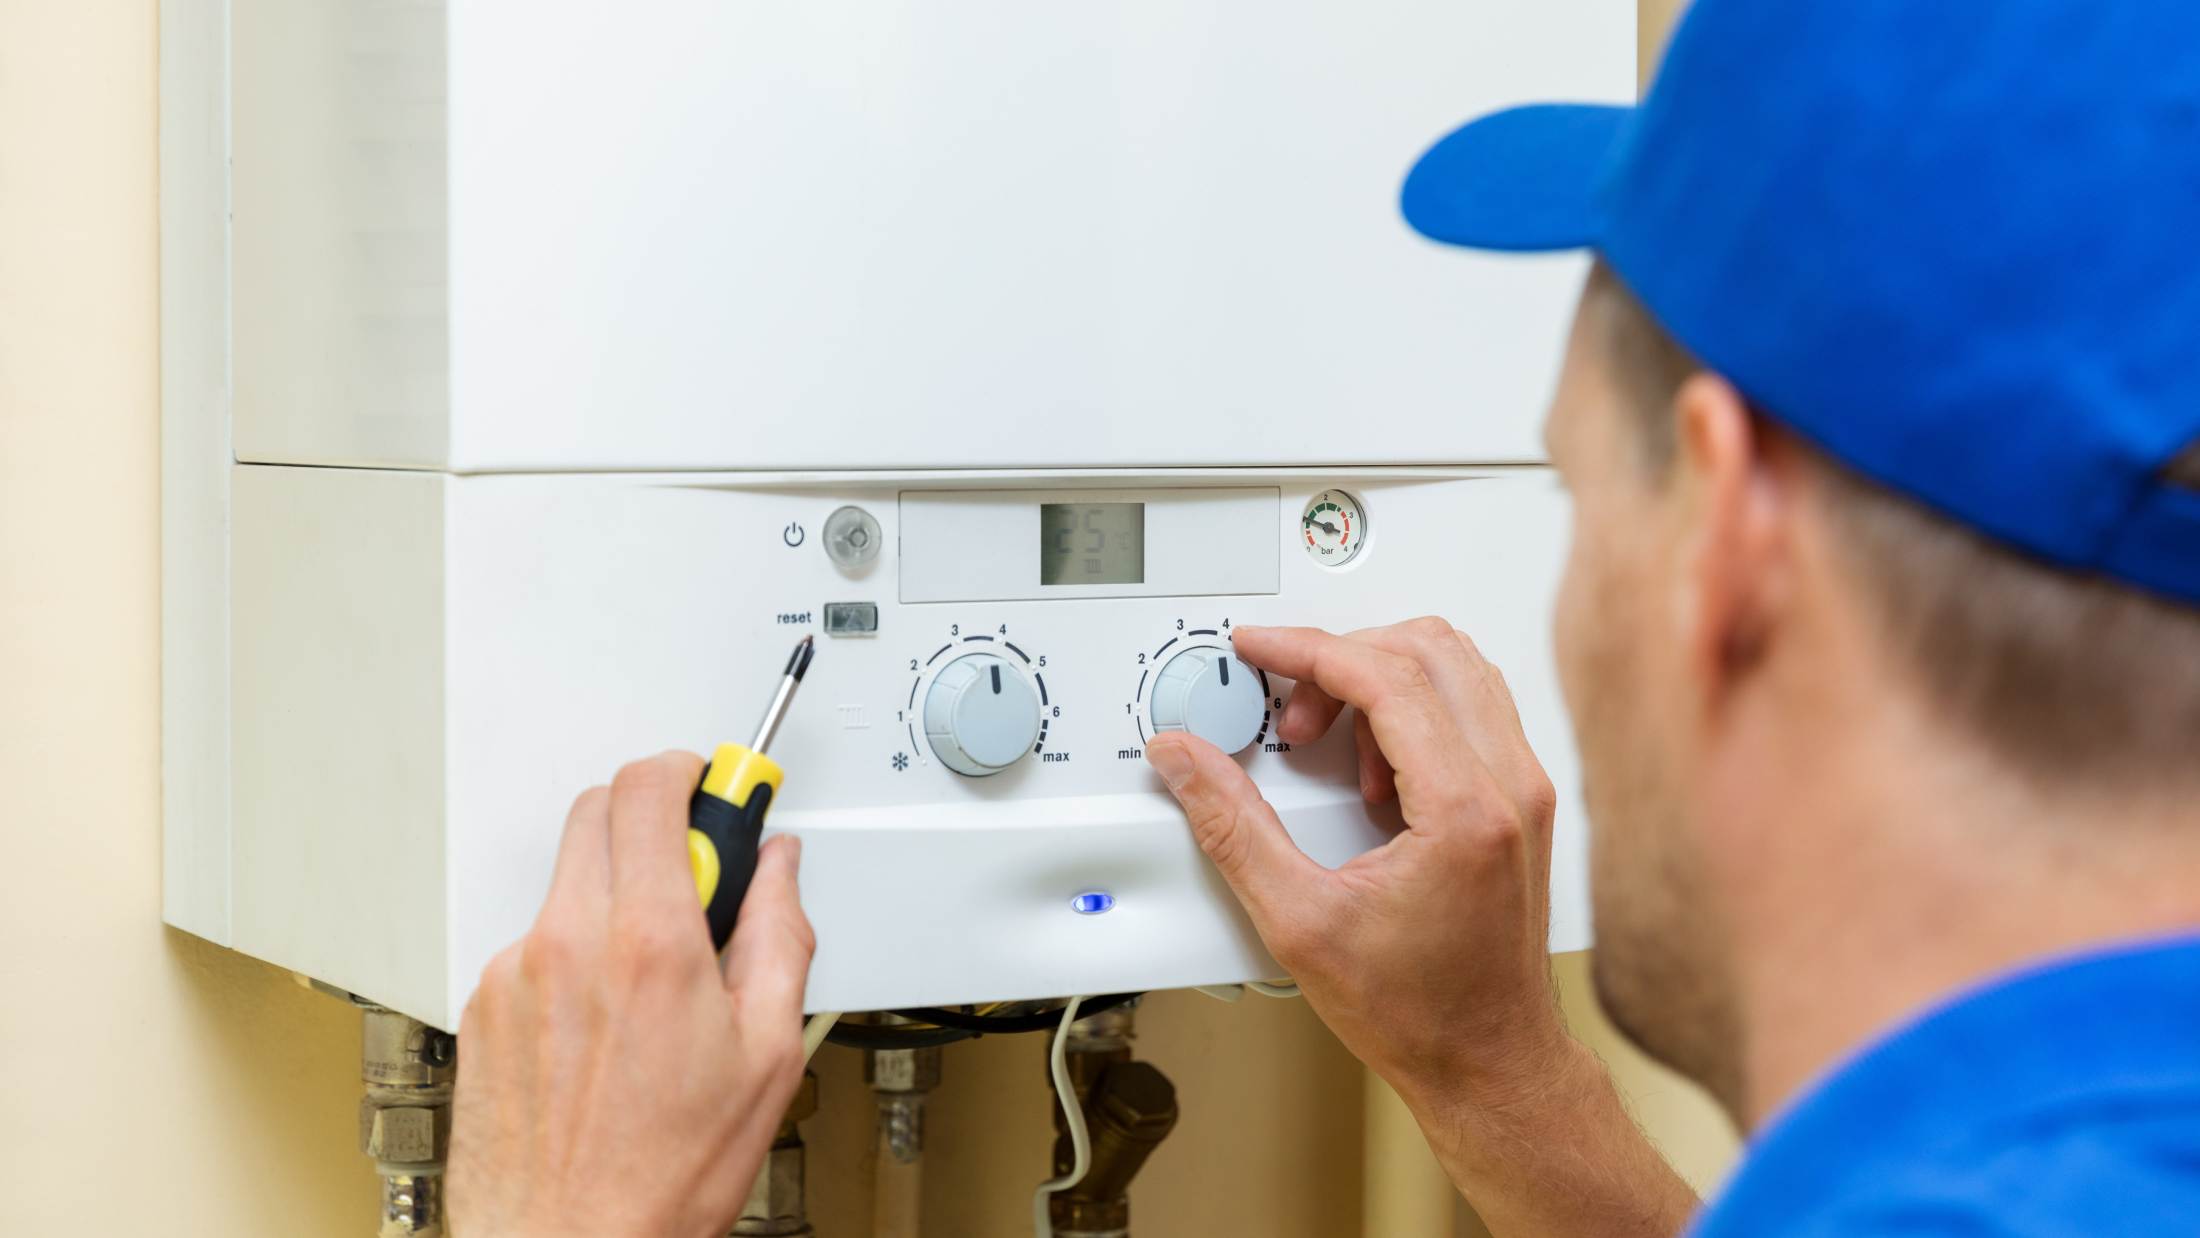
<point x="900" y="1078"/>
<point x="1129" y="1107"/>
<point x="405" y="1117"/>
<point x="777" y="1207"/>
<point x="897" y="1186"/>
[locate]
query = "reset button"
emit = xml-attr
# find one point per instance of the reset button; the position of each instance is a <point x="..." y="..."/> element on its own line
<point x="851" y="618"/>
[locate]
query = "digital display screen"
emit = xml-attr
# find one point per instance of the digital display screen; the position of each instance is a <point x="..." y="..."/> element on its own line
<point x="1092" y="543"/>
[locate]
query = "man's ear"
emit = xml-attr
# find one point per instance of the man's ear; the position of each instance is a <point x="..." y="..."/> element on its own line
<point x="1737" y="489"/>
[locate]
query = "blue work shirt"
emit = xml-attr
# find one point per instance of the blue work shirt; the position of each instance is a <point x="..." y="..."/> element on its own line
<point x="2062" y="1099"/>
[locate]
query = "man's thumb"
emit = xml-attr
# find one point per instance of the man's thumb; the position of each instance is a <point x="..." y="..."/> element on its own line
<point x="1232" y="823"/>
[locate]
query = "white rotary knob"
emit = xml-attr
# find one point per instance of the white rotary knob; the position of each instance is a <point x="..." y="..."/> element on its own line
<point x="1211" y="694"/>
<point x="981" y="715"/>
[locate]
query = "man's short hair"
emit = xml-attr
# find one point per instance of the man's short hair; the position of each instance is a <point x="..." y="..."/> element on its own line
<point x="2069" y="678"/>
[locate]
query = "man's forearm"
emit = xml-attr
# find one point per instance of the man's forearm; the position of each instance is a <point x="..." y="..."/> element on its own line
<point x="1548" y="1150"/>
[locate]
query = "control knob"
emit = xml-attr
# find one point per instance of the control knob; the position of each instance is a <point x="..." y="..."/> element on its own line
<point x="1210" y="693"/>
<point x="981" y="715"/>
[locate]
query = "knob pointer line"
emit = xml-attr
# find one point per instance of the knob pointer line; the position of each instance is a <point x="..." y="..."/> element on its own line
<point x="726" y="816"/>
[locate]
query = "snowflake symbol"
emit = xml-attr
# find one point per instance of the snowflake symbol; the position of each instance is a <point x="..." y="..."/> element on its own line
<point x="901" y="761"/>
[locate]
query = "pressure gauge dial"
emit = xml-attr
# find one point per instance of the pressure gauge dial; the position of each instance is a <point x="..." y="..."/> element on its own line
<point x="1333" y="528"/>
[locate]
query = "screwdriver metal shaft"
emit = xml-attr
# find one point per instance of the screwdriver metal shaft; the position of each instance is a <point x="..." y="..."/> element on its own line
<point x="797" y="663"/>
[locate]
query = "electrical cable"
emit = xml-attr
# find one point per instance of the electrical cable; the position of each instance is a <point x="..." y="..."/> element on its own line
<point x="1266" y="988"/>
<point x="815" y="1031"/>
<point x="862" y="1036"/>
<point x="931" y="1026"/>
<point x="1073" y="1116"/>
<point x="1038" y="1021"/>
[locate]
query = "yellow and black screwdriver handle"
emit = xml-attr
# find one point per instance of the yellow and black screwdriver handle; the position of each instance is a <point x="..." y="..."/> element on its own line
<point x="725" y="823"/>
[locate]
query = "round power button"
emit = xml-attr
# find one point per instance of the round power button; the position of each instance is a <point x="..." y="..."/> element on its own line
<point x="851" y="537"/>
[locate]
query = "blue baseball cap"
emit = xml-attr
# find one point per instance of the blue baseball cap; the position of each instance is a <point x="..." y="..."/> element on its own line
<point x="1954" y="243"/>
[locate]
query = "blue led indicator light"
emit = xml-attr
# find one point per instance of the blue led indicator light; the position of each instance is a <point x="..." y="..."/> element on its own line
<point x="1092" y="902"/>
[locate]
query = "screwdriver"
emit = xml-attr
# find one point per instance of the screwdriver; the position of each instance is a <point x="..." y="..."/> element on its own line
<point x="726" y="817"/>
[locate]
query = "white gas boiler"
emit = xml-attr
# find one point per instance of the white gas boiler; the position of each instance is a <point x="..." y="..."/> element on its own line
<point x="535" y="375"/>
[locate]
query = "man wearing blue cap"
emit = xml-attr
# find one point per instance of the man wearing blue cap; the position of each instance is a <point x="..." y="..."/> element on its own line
<point x="1881" y="633"/>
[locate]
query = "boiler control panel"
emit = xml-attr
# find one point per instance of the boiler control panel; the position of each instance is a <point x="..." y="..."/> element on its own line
<point x="979" y="703"/>
<point x="966" y="760"/>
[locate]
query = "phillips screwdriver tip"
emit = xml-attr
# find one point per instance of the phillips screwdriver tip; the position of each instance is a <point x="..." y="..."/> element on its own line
<point x="796" y="664"/>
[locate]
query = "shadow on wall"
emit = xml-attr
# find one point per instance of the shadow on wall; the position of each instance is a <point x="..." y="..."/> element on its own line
<point x="275" y="1067"/>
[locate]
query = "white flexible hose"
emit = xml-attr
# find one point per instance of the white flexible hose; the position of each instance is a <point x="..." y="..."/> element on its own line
<point x="1283" y="988"/>
<point x="1042" y="1226"/>
<point x="813" y="1032"/>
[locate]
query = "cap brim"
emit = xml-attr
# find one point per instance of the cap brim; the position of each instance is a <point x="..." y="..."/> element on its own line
<point x="1523" y="180"/>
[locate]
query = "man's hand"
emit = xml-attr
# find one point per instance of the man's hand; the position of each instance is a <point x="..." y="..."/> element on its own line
<point x="1428" y="956"/>
<point x="615" y="1081"/>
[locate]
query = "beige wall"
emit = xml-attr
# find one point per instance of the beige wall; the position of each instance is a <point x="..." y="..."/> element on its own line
<point x="1657" y="18"/>
<point x="154" y="1084"/>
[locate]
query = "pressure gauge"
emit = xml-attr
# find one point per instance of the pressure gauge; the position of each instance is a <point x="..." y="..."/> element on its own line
<point x="1334" y="528"/>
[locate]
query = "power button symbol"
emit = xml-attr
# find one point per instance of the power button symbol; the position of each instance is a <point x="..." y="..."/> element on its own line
<point x="793" y="534"/>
